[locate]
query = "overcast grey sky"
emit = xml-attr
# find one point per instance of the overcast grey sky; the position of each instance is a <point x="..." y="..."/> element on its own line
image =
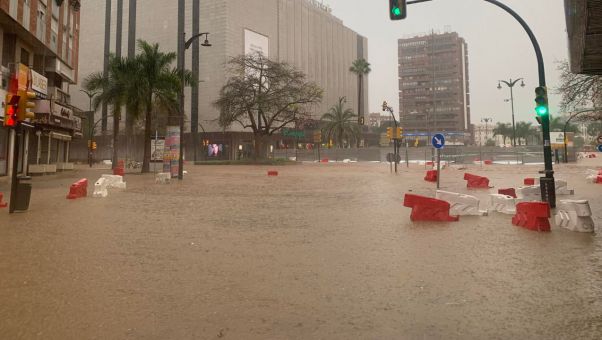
<point x="498" y="47"/>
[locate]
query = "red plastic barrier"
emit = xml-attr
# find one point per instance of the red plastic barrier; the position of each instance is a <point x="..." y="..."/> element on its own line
<point x="533" y="216"/>
<point x="78" y="189"/>
<point x="428" y="209"/>
<point x="508" y="192"/>
<point x="429" y="163"/>
<point x="475" y="181"/>
<point x="488" y="162"/>
<point x="2" y="204"/>
<point x="529" y="181"/>
<point x="119" y="171"/>
<point x="431" y="176"/>
<point x="325" y="160"/>
<point x="272" y="173"/>
<point x="599" y="179"/>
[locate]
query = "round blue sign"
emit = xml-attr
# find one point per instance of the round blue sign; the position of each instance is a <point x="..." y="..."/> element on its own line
<point x="438" y="141"/>
<point x="600" y="147"/>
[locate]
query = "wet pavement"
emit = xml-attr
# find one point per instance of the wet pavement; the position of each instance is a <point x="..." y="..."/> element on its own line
<point x="323" y="251"/>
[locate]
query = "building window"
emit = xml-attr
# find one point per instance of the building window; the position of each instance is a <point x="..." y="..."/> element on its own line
<point x="26" y="14"/>
<point x="24" y="57"/>
<point x="12" y="8"/>
<point x="41" y="26"/>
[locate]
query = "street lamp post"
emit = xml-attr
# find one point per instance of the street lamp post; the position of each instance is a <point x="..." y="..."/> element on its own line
<point x="186" y="45"/>
<point x="511" y="84"/>
<point x="91" y="95"/>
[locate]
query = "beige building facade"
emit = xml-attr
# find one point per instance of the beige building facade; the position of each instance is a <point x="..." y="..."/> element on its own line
<point x="303" y="33"/>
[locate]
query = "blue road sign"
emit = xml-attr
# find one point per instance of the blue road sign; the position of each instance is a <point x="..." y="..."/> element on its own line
<point x="438" y="141"/>
<point x="600" y="147"/>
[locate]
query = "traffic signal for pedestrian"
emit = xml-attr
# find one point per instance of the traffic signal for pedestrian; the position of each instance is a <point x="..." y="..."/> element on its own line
<point x="25" y="104"/>
<point x="398" y="132"/>
<point x="390" y="132"/>
<point x="397" y="9"/>
<point x="11" y="107"/>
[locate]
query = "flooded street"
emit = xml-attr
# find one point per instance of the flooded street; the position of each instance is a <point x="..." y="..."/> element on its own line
<point x="323" y="251"/>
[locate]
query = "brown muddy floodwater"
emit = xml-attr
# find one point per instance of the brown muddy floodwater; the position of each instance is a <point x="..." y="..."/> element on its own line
<point x="324" y="251"/>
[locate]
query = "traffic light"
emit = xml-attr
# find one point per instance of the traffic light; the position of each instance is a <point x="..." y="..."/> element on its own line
<point x="11" y="106"/>
<point x="541" y="99"/>
<point x="397" y="9"/>
<point x="398" y="132"/>
<point x="93" y="145"/>
<point x="390" y="132"/>
<point x="25" y="103"/>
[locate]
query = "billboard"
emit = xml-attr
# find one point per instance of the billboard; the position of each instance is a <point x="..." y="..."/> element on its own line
<point x="557" y="139"/>
<point x="256" y="43"/>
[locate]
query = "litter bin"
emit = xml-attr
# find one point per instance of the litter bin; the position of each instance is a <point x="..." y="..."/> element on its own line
<point x="23" y="194"/>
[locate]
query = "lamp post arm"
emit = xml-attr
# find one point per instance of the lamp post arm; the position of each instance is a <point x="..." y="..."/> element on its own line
<point x="193" y="38"/>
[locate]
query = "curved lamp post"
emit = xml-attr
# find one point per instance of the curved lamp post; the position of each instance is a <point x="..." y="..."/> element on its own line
<point x="511" y="84"/>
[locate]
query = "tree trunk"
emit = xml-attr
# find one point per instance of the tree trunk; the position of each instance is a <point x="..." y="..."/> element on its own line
<point x="147" y="142"/>
<point x="359" y="107"/>
<point x="259" y="152"/>
<point x="115" y="157"/>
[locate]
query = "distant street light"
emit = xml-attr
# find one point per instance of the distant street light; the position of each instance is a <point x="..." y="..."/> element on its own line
<point x="511" y="84"/>
<point x="91" y="95"/>
<point x="486" y="121"/>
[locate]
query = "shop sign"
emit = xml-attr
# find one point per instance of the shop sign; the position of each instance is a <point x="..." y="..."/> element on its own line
<point x="77" y="126"/>
<point x="39" y="83"/>
<point x="61" y="111"/>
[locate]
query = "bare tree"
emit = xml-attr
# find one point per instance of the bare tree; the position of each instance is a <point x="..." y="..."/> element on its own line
<point x="579" y="90"/>
<point x="265" y="96"/>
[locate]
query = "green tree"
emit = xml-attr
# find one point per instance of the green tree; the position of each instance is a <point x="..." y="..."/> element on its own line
<point x="265" y="96"/>
<point x="504" y="130"/>
<point x="113" y="91"/>
<point x="340" y="124"/>
<point x="557" y="125"/>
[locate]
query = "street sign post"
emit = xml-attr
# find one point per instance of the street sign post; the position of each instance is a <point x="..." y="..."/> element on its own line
<point x="438" y="142"/>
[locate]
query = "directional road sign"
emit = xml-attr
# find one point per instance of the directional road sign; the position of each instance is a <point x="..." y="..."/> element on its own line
<point x="438" y="141"/>
<point x="600" y="147"/>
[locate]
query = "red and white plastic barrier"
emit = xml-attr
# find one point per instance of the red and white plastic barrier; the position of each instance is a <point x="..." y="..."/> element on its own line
<point x="562" y="188"/>
<point x="114" y="181"/>
<point x="503" y="204"/>
<point x="100" y="188"/>
<point x="476" y="182"/>
<point x="461" y="205"/>
<point x="431" y="176"/>
<point x="533" y="216"/>
<point x="163" y="178"/>
<point x="508" y="192"/>
<point x="529" y="194"/>
<point x="78" y="189"/>
<point x="575" y="215"/>
<point x="272" y="173"/>
<point x="2" y="204"/>
<point x="428" y="209"/>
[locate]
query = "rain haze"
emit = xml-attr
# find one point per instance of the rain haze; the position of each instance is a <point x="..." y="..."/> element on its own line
<point x="498" y="47"/>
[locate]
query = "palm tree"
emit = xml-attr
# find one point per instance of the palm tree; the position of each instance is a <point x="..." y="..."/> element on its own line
<point x="361" y="68"/>
<point x="523" y="131"/>
<point x="113" y="90"/>
<point x="502" y="129"/>
<point x="340" y="124"/>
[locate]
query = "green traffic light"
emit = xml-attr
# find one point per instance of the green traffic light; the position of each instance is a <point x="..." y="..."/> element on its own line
<point x="397" y="11"/>
<point x="541" y="110"/>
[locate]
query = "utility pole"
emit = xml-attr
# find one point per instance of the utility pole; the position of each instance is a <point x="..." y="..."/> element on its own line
<point x="194" y="95"/>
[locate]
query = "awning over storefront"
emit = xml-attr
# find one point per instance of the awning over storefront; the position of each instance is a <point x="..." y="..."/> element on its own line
<point x="59" y="136"/>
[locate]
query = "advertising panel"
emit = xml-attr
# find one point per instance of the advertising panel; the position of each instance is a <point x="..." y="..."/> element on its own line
<point x="157" y="149"/>
<point x="171" y="154"/>
<point x="557" y="139"/>
<point x="39" y="83"/>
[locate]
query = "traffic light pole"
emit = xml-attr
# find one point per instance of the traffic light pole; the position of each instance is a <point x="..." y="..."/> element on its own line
<point x="15" y="169"/>
<point x="547" y="186"/>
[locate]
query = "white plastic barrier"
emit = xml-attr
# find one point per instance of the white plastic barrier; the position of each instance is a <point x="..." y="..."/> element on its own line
<point x="444" y="164"/>
<point x="562" y="188"/>
<point x="461" y="205"/>
<point x="100" y="188"/>
<point x="575" y="216"/>
<point x="114" y="181"/>
<point x="592" y="175"/>
<point x="503" y="204"/>
<point x="163" y="178"/>
<point x="529" y="194"/>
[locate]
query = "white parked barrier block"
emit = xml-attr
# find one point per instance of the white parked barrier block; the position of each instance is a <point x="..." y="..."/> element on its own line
<point x="100" y="188"/>
<point x="114" y="181"/>
<point x="163" y="178"/>
<point x="562" y="188"/>
<point x="575" y="216"/>
<point x="529" y="194"/>
<point x="461" y="205"/>
<point x="503" y="204"/>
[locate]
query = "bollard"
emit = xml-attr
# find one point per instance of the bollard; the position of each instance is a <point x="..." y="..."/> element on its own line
<point x="428" y="209"/>
<point x="2" y="204"/>
<point x="78" y="189"/>
<point x="575" y="215"/>
<point x="431" y="176"/>
<point x="503" y="204"/>
<point x="533" y="216"/>
<point x="461" y="205"/>
<point x="272" y="173"/>
<point x="477" y="182"/>
<point x="508" y="192"/>
<point x="100" y="188"/>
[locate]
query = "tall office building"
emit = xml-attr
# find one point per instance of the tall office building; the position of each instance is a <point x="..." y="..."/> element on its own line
<point x="434" y="91"/>
<point x="303" y="33"/>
